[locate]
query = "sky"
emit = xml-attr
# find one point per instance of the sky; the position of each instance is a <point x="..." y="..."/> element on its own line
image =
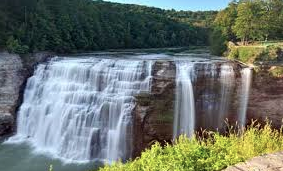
<point x="193" y="5"/>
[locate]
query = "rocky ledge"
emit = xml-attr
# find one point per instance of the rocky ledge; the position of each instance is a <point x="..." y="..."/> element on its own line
<point x="14" y="72"/>
<point x="270" y="162"/>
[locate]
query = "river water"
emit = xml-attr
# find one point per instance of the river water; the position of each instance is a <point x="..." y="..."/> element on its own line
<point x="22" y="157"/>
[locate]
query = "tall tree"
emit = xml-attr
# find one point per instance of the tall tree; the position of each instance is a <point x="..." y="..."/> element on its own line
<point x="225" y="20"/>
<point x="247" y="25"/>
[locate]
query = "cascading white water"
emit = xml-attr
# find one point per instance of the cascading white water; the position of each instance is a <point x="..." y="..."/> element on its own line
<point x="227" y="80"/>
<point x="184" y="119"/>
<point x="246" y="75"/>
<point x="210" y="102"/>
<point x="80" y="109"/>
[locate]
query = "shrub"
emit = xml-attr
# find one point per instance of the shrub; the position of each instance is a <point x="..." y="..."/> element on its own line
<point x="276" y="71"/>
<point x="13" y="46"/>
<point x="234" y="53"/>
<point x="215" y="152"/>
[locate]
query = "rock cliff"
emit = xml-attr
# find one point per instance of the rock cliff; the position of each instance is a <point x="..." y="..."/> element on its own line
<point x="14" y="72"/>
<point x="12" y="76"/>
<point x="154" y="113"/>
<point x="266" y="98"/>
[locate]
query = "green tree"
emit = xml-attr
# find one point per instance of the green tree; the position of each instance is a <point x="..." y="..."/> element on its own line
<point x="14" y="46"/>
<point x="218" y="43"/>
<point x="225" y="20"/>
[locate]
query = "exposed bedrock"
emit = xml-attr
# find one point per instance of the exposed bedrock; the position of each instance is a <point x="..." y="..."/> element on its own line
<point x="217" y="94"/>
<point x="14" y="71"/>
<point x="154" y="113"/>
<point x="266" y="98"/>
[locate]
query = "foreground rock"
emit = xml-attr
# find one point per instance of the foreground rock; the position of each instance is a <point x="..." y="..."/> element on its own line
<point x="14" y="72"/>
<point x="270" y="162"/>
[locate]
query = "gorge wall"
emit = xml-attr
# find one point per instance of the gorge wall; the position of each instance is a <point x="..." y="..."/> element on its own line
<point x="266" y="97"/>
<point x="14" y="72"/>
<point x="153" y="115"/>
<point x="217" y="95"/>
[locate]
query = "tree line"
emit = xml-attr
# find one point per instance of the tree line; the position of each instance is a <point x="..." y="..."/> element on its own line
<point x="85" y="25"/>
<point x="247" y="21"/>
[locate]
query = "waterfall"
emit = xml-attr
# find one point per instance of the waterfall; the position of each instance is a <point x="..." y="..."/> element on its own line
<point x="81" y="109"/>
<point x="184" y="119"/>
<point x="205" y="96"/>
<point x="246" y="75"/>
<point x="227" y="80"/>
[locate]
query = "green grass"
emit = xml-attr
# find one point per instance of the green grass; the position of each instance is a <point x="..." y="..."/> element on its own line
<point x="212" y="153"/>
<point x="247" y="54"/>
<point x="257" y="53"/>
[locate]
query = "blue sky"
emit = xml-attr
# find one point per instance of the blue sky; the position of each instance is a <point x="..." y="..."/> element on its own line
<point x="194" y="5"/>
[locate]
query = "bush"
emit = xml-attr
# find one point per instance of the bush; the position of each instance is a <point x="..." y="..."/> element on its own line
<point x="276" y="72"/>
<point x="13" y="46"/>
<point x="275" y="53"/>
<point x="215" y="152"/>
<point x="234" y="53"/>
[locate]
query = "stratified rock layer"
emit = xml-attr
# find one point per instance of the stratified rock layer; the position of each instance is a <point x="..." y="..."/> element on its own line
<point x="14" y="72"/>
<point x="266" y="98"/>
<point x="11" y="80"/>
<point x="154" y="113"/>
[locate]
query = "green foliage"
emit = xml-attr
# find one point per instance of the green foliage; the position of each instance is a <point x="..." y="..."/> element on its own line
<point x="276" y="72"/>
<point x="218" y="44"/>
<point x="248" y="22"/>
<point x="86" y="25"/>
<point x="14" y="46"/>
<point x="215" y="152"/>
<point x="225" y="20"/>
<point x="247" y="54"/>
<point x="252" y="54"/>
<point x="251" y="20"/>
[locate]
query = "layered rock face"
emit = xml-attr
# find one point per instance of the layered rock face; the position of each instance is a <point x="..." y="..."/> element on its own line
<point x="216" y="88"/>
<point x="266" y="98"/>
<point x="213" y="84"/>
<point x="154" y="113"/>
<point x="12" y="76"/>
<point x="14" y="72"/>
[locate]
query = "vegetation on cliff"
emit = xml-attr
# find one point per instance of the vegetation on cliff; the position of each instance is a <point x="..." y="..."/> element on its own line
<point x="257" y="53"/>
<point x="86" y="25"/>
<point x="247" y="21"/>
<point x="214" y="152"/>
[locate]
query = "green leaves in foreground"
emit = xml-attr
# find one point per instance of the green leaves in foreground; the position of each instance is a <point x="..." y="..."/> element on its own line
<point x="215" y="152"/>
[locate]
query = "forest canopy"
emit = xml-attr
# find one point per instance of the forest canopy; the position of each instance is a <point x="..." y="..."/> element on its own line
<point x="248" y="21"/>
<point x="85" y="25"/>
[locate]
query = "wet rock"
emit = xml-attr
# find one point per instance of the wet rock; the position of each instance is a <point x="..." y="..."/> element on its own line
<point x="154" y="113"/>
